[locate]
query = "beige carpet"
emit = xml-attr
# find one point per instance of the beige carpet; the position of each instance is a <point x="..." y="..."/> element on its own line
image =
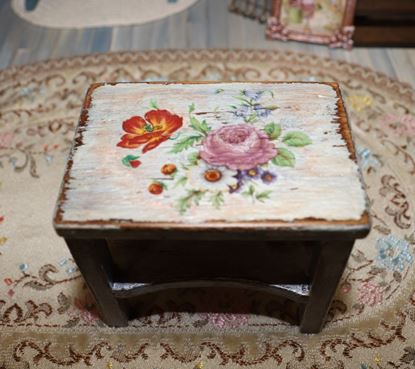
<point x="98" y="13"/>
<point x="47" y="316"/>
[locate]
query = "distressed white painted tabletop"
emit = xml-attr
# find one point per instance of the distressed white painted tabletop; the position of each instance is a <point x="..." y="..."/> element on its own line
<point x="212" y="152"/>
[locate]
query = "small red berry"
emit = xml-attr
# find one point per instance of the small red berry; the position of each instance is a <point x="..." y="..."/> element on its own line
<point x="155" y="188"/>
<point x="135" y="163"/>
<point x="168" y="169"/>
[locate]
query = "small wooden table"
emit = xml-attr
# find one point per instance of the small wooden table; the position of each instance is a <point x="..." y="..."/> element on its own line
<point x="198" y="184"/>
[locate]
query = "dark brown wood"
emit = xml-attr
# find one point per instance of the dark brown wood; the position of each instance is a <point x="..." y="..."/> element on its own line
<point x="331" y="261"/>
<point x="371" y="7"/>
<point x="385" y="23"/>
<point x="385" y="36"/>
<point x="295" y="292"/>
<point x="94" y="262"/>
<point x="158" y="261"/>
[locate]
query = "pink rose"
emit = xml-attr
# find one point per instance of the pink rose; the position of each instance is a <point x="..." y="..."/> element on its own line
<point x="238" y="146"/>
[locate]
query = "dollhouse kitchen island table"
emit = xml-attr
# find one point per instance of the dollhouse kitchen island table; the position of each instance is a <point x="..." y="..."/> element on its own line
<point x="251" y="185"/>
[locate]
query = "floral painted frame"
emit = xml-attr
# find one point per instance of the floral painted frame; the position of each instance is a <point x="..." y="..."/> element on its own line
<point x="280" y="25"/>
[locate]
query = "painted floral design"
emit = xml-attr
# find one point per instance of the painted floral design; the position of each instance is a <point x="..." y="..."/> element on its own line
<point x="238" y="146"/>
<point x="393" y="253"/>
<point x="211" y="163"/>
<point x="207" y="177"/>
<point x="157" y="127"/>
<point x="250" y="109"/>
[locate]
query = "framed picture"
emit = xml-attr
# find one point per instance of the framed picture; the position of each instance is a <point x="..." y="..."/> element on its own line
<point x="318" y="21"/>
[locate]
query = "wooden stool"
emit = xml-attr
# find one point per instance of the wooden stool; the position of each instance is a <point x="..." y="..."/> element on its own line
<point x="172" y="185"/>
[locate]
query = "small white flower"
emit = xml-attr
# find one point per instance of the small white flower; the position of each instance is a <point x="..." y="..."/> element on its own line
<point x="204" y="177"/>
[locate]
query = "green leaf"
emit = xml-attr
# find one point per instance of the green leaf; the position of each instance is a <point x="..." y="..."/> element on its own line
<point x="180" y="182"/>
<point x="191" y="108"/>
<point x="153" y="104"/>
<point x="219" y="90"/>
<point x="271" y="107"/>
<point x="250" y="192"/>
<point x="250" y="119"/>
<point x="201" y="127"/>
<point x="263" y="195"/>
<point x="217" y="199"/>
<point x="284" y="158"/>
<point x="193" y="158"/>
<point x="127" y="159"/>
<point x="243" y="99"/>
<point x="185" y="143"/>
<point x="273" y="130"/>
<point x="185" y="202"/>
<point x="297" y="139"/>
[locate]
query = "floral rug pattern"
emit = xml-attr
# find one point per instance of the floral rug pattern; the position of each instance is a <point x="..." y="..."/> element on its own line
<point x="47" y="316"/>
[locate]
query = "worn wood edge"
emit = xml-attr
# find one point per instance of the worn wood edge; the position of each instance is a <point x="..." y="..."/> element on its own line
<point x="77" y="141"/>
<point x="298" y="292"/>
<point x="360" y="227"/>
<point x="301" y="230"/>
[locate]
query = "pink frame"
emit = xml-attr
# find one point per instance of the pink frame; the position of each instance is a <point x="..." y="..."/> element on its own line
<point x="341" y="38"/>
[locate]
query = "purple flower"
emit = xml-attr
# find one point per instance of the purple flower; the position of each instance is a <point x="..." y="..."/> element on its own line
<point x="268" y="177"/>
<point x="261" y="111"/>
<point x="236" y="187"/>
<point x="254" y="95"/>
<point x="252" y="173"/>
<point x="243" y="111"/>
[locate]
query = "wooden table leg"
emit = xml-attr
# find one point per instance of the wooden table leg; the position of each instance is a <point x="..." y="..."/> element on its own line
<point x="331" y="262"/>
<point x="94" y="261"/>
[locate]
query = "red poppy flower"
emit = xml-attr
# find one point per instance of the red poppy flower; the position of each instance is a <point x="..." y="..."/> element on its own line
<point x="157" y="127"/>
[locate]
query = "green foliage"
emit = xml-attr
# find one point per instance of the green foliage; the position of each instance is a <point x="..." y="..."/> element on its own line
<point x="244" y="99"/>
<point x="191" y="108"/>
<point x="271" y="107"/>
<point x="200" y="126"/>
<point x="219" y="90"/>
<point x="251" y="118"/>
<point x="185" y="143"/>
<point x="193" y="158"/>
<point x="250" y="192"/>
<point x="297" y="139"/>
<point x="127" y="159"/>
<point x="153" y="104"/>
<point x="192" y="197"/>
<point x="273" y="130"/>
<point x="259" y="196"/>
<point x="180" y="182"/>
<point x="284" y="158"/>
<point x="263" y="195"/>
<point x="217" y="199"/>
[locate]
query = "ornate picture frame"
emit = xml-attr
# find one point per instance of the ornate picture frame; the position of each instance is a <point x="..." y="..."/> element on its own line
<point x="327" y="22"/>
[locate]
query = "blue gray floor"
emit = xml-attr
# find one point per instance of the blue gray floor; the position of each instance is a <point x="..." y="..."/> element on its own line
<point x="207" y="24"/>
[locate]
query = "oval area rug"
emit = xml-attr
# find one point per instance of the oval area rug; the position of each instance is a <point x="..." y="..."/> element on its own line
<point x="47" y="316"/>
